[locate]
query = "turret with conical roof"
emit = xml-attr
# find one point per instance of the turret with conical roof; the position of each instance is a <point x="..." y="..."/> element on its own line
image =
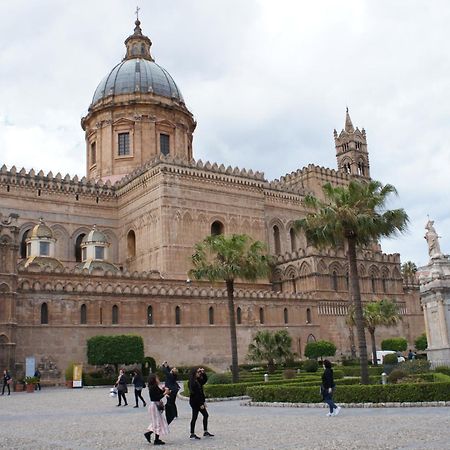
<point x="351" y="149"/>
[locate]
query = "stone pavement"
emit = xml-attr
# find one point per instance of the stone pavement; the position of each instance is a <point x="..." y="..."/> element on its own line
<point x="88" y="419"/>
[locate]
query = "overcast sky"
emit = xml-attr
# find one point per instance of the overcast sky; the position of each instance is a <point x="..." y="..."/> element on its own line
<point x="266" y="81"/>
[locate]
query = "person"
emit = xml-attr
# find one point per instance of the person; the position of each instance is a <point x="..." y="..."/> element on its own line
<point x="327" y="388"/>
<point x="197" y="379"/>
<point x="158" y="423"/>
<point x="411" y="355"/>
<point x="139" y="384"/>
<point x="122" y="389"/>
<point x="6" y="382"/>
<point x="37" y="375"/>
<point x="171" y="383"/>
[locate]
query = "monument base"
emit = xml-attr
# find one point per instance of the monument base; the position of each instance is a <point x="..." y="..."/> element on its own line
<point x="439" y="357"/>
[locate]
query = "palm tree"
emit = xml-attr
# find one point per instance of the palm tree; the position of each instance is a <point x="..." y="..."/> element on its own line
<point x="270" y="347"/>
<point x="353" y="215"/>
<point x="409" y="270"/>
<point x="383" y="312"/>
<point x="222" y="258"/>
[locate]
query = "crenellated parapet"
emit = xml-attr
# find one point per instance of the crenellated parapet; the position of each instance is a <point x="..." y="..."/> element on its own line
<point x="12" y="178"/>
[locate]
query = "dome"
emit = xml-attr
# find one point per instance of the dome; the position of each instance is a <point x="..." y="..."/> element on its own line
<point x="137" y="75"/>
<point x="95" y="236"/>
<point x="41" y="231"/>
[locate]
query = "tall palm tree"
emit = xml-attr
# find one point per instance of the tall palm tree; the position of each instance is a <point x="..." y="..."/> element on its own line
<point x="227" y="258"/>
<point x="353" y="215"/>
<point x="383" y="312"/>
<point x="409" y="270"/>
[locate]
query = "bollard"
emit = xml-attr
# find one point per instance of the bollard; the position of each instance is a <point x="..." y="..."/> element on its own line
<point x="298" y="370"/>
<point x="383" y="378"/>
<point x="266" y="377"/>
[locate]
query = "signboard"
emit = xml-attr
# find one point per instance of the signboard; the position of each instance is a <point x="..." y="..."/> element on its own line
<point x="77" y="375"/>
<point x="30" y="366"/>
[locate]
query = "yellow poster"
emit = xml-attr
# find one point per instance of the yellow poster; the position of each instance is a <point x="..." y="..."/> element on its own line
<point x="77" y="375"/>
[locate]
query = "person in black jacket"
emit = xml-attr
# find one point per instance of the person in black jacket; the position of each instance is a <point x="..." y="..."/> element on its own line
<point x="327" y="389"/>
<point x="158" y="423"/>
<point x="122" y="389"/>
<point x="139" y="384"/>
<point x="171" y="383"/>
<point x="6" y="382"/>
<point x="197" y="379"/>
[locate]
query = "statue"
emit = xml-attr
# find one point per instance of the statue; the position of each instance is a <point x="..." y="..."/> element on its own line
<point x="434" y="249"/>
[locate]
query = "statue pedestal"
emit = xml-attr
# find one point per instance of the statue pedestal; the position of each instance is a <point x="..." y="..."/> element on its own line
<point x="434" y="282"/>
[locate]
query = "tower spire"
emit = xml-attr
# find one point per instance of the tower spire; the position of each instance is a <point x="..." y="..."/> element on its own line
<point x="348" y="123"/>
<point x="138" y="45"/>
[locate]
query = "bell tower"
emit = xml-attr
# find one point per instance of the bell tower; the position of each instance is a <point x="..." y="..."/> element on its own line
<point x="351" y="149"/>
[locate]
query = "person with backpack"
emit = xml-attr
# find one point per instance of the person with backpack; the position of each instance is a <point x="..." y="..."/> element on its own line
<point x="327" y="389"/>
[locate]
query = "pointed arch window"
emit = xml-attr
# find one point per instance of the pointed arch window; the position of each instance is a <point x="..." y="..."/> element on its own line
<point x="372" y="281"/>
<point x="149" y="315"/>
<point x="261" y="316"/>
<point x="177" y="315"/>
<point x="239" y="316"/>
<point x="276" y="239"/>
<point x="334" y="281"/>
<point x="217" y="228"/>
<point x="131" y="244"/>
<point x="286" y="316"/>
<point x="293" y="237"/>
<point x="115" y="315"/>
<point x="384" y="283"/>
<point x="23" y="244"/>
<point x="78" y="252"/>
<point x="83" y="314"/>
<point x="346" y="281"/>
<point x="311" y="338"/>
<point x="211" y="315"/>
<point x="101" y="316"/>
<point x="44" y="314"/>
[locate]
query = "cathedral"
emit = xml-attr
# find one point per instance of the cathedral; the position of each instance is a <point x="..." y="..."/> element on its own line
<point x="109" y="253"/>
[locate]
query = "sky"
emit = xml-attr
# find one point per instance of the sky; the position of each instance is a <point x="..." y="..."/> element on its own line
<point x="267" y="82"/>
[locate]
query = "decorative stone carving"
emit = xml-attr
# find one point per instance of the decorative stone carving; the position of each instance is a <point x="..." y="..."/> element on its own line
<point x="434" y="249"/>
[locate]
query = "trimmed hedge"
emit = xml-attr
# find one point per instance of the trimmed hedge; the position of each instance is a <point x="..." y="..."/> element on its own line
<point x="350" y="371"/>
<point x="413" y="392"/>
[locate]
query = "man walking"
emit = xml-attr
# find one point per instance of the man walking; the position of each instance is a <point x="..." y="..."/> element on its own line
<point x="171" y="383"/>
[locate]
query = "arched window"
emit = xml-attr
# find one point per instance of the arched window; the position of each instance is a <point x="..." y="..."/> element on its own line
<point x="239" y="316"/>
<point x="78" y="240"/>
<point x="347" y="167"/>
<point x="131" y="244"/>
<point x="211" y="315"/>
<point x="150" y="315"/>
<point x="261" y="315"/>
<point x="286" y="316"/>
<point x="372" y="280"/>
<point x="276" y="239"/>
<point x="23" y="244"/>
<point x="83" y="314"/>
<point x="177" y="315"/>
<point x="101" y="316"/>
<point x="334" y="281"/>
<point x="384" y="283"/>
<point x="346" y="281"/>
<point x="361" y="168"/>
<point x="217" y="228"/>
<point x="308" y="315"/>
<point x="293" y="240"/>
<point x="44" y="314"/>
<point x="115" y="315"/>
<point x="311" y="338"/>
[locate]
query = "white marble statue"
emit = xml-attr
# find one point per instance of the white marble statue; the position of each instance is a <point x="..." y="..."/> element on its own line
<point x="434" y="249"/>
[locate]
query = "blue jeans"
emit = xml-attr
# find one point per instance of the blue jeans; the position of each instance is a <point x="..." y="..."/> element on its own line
<point x="328" y="399"/>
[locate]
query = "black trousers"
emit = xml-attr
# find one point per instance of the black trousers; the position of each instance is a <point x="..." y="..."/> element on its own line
<point x="122" y="395"/>
<point x="138" y="395"/>
<point x="171" y="407"/>
<point x="204" y="413"/>
<point x="6" y="385"/>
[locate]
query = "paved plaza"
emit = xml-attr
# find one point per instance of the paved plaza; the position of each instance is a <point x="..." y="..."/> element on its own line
<point x="88" y="419"/>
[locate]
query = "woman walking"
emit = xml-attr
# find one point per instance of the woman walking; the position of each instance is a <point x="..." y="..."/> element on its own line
<point x="122" y="389"/>
<point x="197" y="379"/>
<point x="327" y="389"/>
<point x="6" y="382"/>
<point x="158" y="423"/>
<point x="139" y="384"/>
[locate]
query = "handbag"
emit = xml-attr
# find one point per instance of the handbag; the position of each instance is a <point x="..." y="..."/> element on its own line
<point x="160" y="406"/>
<point x="10" y="381"/>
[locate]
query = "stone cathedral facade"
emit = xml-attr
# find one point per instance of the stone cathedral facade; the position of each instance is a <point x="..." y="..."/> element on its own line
<point x="109" y="253"/>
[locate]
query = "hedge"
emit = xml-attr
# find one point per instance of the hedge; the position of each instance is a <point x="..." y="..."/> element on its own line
<point x="350" y="371"/>
<point x="413" y="392"/>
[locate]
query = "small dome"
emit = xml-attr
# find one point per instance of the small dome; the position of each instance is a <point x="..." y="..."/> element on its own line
<point x="41" y="231"/>
<point x="96" y="236"/>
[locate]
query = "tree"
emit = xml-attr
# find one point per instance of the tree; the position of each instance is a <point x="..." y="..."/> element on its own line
<point x="409" y="270"/>
<point x="383" y="312"/>
<point x="120" y="349"/>
<point x="319" y="349"/>
<point x="352" y="216"/>
<point x="271" y="347"/>
<point x="394" y="344"/>
<point x="229" y="258"/>
<point x="421" y="342"/>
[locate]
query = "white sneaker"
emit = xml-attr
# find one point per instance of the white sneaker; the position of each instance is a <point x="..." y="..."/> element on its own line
<point x="330" y="414"/>
<point x="337" y="411"/>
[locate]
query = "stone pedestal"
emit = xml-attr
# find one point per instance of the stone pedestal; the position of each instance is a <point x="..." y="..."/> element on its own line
<point x="435" y="299"/>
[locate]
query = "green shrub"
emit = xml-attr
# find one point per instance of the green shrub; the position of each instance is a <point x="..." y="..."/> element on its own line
<point x="97" y="379"/>
<point x="415" y="366"/>
<point x="424" y="392"/>
<point x="310" y="365"/>
<point x="421" y="342"/>
<point x="390" y="358"/>
<point x="442" y="369"/>
<point x="356" y="371"/>
<point x="350" y="361"/>
<point x="394" y="344"/>
<point x="219" y="378"/>
<point x="396" y="375"/>
<point x="314" y="350"/>
<point x="289" y="374"/>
